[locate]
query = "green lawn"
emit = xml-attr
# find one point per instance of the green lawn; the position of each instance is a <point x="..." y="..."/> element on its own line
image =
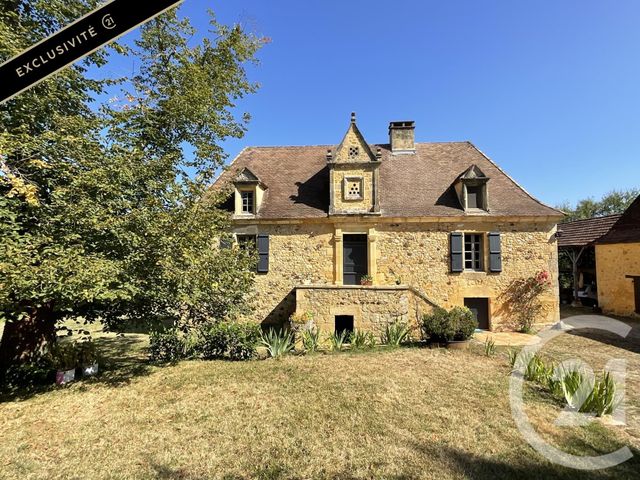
<point x="408" y="413"/>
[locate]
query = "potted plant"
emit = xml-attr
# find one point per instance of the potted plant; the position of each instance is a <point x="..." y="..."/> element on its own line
<point x="87" y="359"/>
<point x="65" y="361"/>
<point x="366" y="280"/>
<point x="462" y="326"/>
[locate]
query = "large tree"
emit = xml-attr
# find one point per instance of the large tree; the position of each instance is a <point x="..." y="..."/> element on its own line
<point x="616" y="201"/>
<point x="102" y="213"/>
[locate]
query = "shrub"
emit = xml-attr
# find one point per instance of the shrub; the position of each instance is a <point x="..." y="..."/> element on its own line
<point x="64" y="355"/>
<point x="87" y="354"/>
<point x="338" y="340"/>
<point x="444" y="326"/>
<point x="395" y="334"/>
<point x="278" y="343"/>
<point x="232" y="340"/>
<point x="311" y="339"/>
<point x="38" y="371"/>
<point x="436" y="326"/>
<point x="166" y="346"/>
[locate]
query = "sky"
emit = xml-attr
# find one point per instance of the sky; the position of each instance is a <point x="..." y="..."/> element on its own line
<point x="550" y="90"/>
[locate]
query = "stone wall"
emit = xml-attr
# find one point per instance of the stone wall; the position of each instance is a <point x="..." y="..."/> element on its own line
<point x="613" y="263"/>
<point x="413" y="254"/>
<point x="372" y="307"/>
<point x="365" y="204"/>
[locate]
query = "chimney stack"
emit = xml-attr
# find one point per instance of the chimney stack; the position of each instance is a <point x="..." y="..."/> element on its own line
<point x="402" y="137"/>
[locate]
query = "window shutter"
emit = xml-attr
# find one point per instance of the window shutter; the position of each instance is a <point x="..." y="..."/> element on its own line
<point x="226" y="241"/>
<point x="495" y="252"/>
<point x="263" y="253"/>
<point x="455" y="243"/>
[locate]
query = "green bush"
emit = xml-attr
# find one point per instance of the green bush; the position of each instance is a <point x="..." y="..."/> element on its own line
<point x="166" y="346"/>
<point x="436" y="326"/>
<point x="230" y="340"/>
<point x="444" y="326"/>
<point x="278" y="343"/>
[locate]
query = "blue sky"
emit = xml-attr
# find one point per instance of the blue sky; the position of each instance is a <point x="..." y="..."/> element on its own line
<point x="549" y="90"/>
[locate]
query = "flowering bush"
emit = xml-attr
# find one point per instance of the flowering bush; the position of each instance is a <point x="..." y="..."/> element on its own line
<point x="523" y="297"/>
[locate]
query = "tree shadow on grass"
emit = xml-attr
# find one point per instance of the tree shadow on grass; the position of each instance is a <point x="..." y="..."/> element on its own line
<point x="121" y="359"/>
<point x="528" y="466"/>
<point x="630" y="343"/>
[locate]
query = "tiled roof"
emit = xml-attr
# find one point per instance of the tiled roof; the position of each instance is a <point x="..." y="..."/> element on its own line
<point x="411" y="185"/>
<point x="580" y="233"/>
<point x="627" y="228"/>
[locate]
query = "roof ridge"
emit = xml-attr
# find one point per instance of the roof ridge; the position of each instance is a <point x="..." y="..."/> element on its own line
<point x="514" y="182"/>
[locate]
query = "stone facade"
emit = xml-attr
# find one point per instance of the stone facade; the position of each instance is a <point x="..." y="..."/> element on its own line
<point x="414" y="255"/>
<point x="615" y="290"/>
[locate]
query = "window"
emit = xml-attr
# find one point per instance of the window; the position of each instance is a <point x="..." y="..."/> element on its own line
<point x="474" y="196"/>
<point x="247" y="201"/>
<point x="472" y="251"/>
<point x="353" y="152"/>
<point x="353" y="188"/>
<point x="246" y="242"/>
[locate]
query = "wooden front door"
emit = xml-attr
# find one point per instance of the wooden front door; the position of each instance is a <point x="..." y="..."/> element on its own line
<point x="355" y="259"/>
<point x="480" y="309"/>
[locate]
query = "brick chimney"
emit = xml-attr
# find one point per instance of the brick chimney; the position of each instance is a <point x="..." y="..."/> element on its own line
<point x="402" y="137"/>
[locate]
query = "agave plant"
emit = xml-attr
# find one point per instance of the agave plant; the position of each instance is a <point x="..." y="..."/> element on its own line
<point x="278" y="343"/>
<point x="575" y="388"/>
<point x="311" y="340"/>
<point x="603" y="399"/>
<point x="395" y="334"/>
<point x="338" y="340"/>
<point x="360" y="339"/>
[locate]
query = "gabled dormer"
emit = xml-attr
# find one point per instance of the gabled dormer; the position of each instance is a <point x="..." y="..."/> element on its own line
<point x="249" y="191"/>
<point x="471" y="187"/>
<point x="353" y="175"/>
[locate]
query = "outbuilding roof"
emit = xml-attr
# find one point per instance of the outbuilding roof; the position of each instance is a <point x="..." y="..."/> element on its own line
<point x="627" y="228"/>
<point x="580" y="233"/>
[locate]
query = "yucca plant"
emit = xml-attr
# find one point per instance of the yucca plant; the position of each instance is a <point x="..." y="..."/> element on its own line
<point x="489" y="347"/>
<point x="537" y="371"/>
<point x="338" y="340"/>
<point x="278" y="343"/>
<point x="395" y="334"/>
<point x="311" y="340"/>
<point x="512" y="355"/>
<point x="359" y="339"/>
<point x="575" y="388"/>
<point x="603" y="399"/>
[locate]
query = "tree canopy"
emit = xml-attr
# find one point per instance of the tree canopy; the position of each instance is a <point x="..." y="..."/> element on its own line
<point x="102" y="213"/>
<point x="613" y="202"/>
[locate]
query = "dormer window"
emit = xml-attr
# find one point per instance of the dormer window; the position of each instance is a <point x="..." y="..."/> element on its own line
<point x="248" y="201"/>
<point x="471" y="188"/>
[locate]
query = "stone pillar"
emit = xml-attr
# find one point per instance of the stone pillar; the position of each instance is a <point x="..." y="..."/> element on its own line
<point x="337" y="257"/>
<point x="372" y="267"/>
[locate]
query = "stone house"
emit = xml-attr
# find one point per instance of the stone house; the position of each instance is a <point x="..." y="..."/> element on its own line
<point x="618" y="264"/>
<point x="423" y="223"/>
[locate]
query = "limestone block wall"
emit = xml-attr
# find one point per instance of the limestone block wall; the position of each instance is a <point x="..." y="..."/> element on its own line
<point x="365" y="204"/>
<point x="418" y="255"/>
<point x="613" y="263"/>
<point x="413" y="254"/>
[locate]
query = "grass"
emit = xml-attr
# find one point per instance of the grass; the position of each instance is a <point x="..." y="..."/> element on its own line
<point x="405" y="413"/>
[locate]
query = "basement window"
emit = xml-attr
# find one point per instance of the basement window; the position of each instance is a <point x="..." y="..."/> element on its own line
<point x="344" y="323"/>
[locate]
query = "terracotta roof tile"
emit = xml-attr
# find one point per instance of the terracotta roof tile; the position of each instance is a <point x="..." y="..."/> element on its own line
<point x="580" y="233"/>
<point x="411" y="185"/>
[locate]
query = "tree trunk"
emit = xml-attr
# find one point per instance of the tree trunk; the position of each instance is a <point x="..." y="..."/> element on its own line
<point x="23" y="339"/>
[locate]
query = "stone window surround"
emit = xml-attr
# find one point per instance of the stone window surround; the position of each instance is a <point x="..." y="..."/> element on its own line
<point x="483" y="248"/>
<point x="338" y="250"/>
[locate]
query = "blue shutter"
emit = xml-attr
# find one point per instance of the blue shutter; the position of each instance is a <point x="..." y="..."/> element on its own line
<point x="495" y="252"/>
<point x="263" y="253"/>
<point x="455" y="243"/>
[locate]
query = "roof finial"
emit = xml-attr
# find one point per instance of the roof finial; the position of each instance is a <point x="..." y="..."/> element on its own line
<point x="353" y="117"/>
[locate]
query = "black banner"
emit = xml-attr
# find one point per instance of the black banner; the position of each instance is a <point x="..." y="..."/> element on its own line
<point x="75" y="41"/>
